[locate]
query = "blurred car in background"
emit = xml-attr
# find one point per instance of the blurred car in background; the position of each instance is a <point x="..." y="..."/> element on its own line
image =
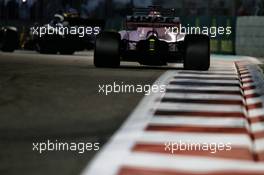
<point x="59" y="41"/>
<point x="9" y="39"/>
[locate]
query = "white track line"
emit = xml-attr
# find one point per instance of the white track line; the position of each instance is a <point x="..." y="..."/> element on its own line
<point x="204" y="75"/>
<point x="208" y="88"/>
<point x="204" y="96"/>
<point x="199" y="107"/>
<point x="207" y="81"/>
<point x="255" y="112"/>
<point x="259" y="145"/>
<point x="257" y="127"/>
<point x="197" y="121"/>
<point x="253" y="100"/>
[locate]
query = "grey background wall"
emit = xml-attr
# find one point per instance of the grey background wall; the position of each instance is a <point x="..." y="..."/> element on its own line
<point x="250" y="36"/>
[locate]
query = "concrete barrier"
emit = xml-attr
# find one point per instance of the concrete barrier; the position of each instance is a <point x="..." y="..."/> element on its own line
<point x="250" y="36"/>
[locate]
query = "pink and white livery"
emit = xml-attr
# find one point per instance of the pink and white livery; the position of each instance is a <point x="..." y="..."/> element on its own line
<point x="149" y="39"/>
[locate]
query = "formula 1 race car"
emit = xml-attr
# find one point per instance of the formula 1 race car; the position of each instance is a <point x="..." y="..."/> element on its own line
<point x="148" y="40"/>
<point x="9" y="39"/>
<point x="65" y="34"/>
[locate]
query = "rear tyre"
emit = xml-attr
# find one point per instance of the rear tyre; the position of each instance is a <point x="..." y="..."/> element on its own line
<point x="67" y="45"/>
<point x="44" y="48"/>
<point x="197" y="52"/>
<point x="47" y="44"/>
<point x="67" y="51"/>
<point x="107" y="50"/>
<point x="9" y="39"/>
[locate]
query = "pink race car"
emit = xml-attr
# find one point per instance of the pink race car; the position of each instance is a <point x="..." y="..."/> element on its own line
<point x="149" y="41"/>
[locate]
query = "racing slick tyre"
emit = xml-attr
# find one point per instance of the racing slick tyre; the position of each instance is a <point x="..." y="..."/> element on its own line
<point x="66" y="51"/>
<point x="44" y="48"/>
<point x="107" y="50"/>
<point x="197" y="52"/>
<point x="9" y="39"/>
<point x="47" y="45"/>
<point x="67" y="45"/>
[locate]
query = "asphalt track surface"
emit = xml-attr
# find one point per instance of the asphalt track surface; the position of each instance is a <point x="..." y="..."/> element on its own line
<point x="56" y="97"/>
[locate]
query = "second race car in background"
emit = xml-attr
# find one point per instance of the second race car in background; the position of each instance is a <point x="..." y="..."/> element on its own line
<point x="146" y="41"/>
<point x="9" y="39"/>
<point x="63" y="43"/>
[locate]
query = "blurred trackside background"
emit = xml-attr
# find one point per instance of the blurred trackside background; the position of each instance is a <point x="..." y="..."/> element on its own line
<point x="244" y="16"/>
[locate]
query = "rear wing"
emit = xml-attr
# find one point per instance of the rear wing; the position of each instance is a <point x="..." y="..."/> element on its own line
<point x="145" y="11"/>
<point x="133" y="22"/>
